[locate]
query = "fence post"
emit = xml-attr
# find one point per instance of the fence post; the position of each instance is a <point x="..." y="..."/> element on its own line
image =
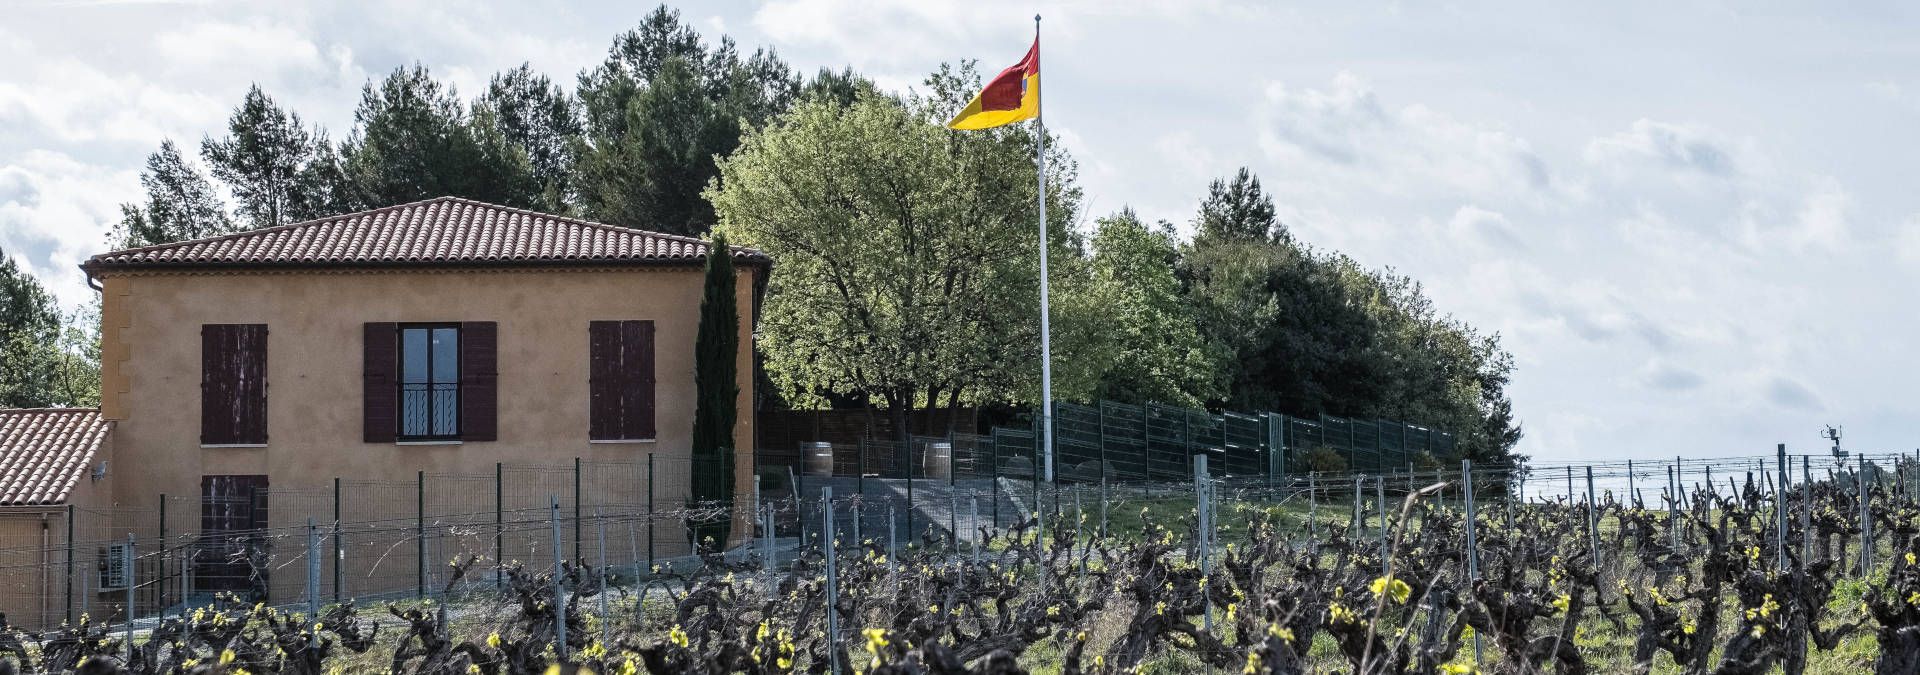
<point x="833" y="578"/>
<point x="606" y="619"/>
<point x="994" y="475"/>
<point x="313" y="574"/>
<point x="337" y="556"/>
<point x="499" y="523"/>
<point x="1103" y="507"/>
<point x="1473" y="541"/>
<point x="1673" y="507"/>
<point x="1380" y="504"/>
<point x="1593" y="520"/>
<point x="1680" y="476"/>
<point x="127" y="558"/>
<point x="650" y="563"/>
<point x="1100" y="433"/>
<point x="1359" y="521"/>
<point x="1078" y="515"/>
<point x="1866" y="520"/>
<point x="893" y="540"/>
<point x="766" y="543"/>
<point x="1806" y="509"/>
<point x="1780" y="505"/>
<point x="858" y="497"/>
<point x="1631" y="493"/>
<point x="576" y="511"/>
<point x="1313" y="507"/>
<point x="160" y="581"/>
<point x="908" y="453"/>
<point x="559" y="581"/>
<point x="1205" y="512"/>
<point x="420" y="534"/>
<point x="69" y="617"/>
<point x="973" y="522"/>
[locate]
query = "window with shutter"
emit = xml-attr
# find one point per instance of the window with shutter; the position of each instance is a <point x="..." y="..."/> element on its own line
<point x="429" y="388"/>
<point x="620" y="381"/>
<point x="233" y="384"/>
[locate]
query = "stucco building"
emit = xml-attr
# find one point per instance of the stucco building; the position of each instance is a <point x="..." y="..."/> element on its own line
<point x="256" y="380"/>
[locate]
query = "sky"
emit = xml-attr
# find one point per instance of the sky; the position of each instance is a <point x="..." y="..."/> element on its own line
<point x="1692" y="223"/>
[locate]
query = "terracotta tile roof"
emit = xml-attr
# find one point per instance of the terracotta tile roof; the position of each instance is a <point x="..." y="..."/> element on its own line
<point x="45" y="451"/>
<point x="443" y="231"/>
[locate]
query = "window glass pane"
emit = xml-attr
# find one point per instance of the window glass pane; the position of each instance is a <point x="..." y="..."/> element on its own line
<point x="446" y="355"/>
<point x="413" y="355"/>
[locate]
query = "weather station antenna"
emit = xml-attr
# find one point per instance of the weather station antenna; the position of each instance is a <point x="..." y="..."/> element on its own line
<point x="1833" y="434"/>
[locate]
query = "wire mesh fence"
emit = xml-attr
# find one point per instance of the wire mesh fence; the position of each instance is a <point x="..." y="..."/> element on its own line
<point x="408" y="540"/>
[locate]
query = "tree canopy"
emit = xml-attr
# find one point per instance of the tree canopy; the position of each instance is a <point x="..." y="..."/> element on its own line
<point x="907" y="253"/>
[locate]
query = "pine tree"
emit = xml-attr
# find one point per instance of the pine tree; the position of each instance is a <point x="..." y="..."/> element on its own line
<point x="414" y="140"/>
<point x="657" y="114"/>
<point x="29" y="330"/>
<point x="261" y="159"/>
<point x="535" y="115"/>
<point x="1239" y="210"/>
<point x="716" y="386"/>
<point x="181" y="204"/>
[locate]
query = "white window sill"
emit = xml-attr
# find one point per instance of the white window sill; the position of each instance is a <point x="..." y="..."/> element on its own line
<point x="429" y="442"/>
<point x="233" y="445"/>
<point x="620" y="440"/>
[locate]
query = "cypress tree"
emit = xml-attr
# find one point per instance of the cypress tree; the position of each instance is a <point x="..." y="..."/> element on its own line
<point x="716" y="392"/>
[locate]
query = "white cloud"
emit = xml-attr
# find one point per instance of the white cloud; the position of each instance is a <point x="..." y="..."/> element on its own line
<point x="1345" y="131"/>
<point x="264" y="46"/>
<point x="53" y="212"/>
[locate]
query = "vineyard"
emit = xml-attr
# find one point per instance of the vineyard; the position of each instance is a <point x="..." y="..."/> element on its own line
<point x="1758" y="574"/>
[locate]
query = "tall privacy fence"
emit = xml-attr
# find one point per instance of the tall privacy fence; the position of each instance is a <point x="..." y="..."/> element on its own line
<point x="1118" y="442"/>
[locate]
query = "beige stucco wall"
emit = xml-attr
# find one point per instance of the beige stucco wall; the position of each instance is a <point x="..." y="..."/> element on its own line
<point x="151" y="383"/>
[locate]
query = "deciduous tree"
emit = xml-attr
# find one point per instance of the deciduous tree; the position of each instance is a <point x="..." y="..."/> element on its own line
<point x="907" y="252"/>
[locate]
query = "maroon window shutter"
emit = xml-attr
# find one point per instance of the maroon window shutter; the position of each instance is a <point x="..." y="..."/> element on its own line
<point x="381" y="394"/>
<point x="603" y="380"/>
<point x="250" y="383"/>
<point x="216" y="405"/>
<point x="479" y="381"/>
<point x="233" y="384"/>
<point x="637" y="364"/>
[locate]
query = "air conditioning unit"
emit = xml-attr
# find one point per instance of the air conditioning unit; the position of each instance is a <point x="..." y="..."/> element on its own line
<point x="115" y="574"/>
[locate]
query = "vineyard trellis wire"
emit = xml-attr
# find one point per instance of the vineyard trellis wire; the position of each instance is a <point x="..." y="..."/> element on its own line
<point x="787" y="531"/>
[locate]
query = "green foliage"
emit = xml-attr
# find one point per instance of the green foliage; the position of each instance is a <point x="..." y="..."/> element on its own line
<point x="1321" y="459"/>
<point x="1307" y="332"/>
<point x="1147" y="346"/>
<point x="277" y="170"/>
<point x="716" y="352"/>
<point x="659" y="112"/>
<point x="414" y="140"/>
<point x="1238" y="210"/>
<point x="46" y="359"/>
<point x="181" y="204"/>
<point x="907" y="251"/>
<point x="535" y="115"/>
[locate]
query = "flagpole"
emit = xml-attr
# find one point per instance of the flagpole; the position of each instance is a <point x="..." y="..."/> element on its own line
<point x="1046" y="343"/>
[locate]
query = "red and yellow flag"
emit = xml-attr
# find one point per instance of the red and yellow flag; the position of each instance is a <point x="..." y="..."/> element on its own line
<point x="1011" y="96"/>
